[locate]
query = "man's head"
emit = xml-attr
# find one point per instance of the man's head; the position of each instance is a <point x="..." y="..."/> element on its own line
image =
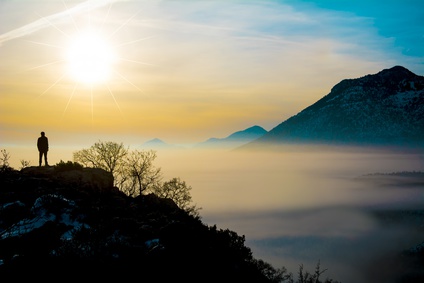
<point x="42" y="133"/>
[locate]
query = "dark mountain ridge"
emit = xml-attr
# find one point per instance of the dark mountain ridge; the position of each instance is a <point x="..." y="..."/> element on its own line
<point x="247" y="134"/>
<point x="386" y="108"/>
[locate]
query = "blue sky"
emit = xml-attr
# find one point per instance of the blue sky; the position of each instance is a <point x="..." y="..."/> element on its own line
<point x="401" y="20"/>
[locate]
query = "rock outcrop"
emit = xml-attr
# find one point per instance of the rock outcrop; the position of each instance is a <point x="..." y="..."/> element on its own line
<point x="92" y="179"/>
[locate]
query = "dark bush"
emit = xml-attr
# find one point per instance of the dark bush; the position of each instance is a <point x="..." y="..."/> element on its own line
<point x="67" y="166"/>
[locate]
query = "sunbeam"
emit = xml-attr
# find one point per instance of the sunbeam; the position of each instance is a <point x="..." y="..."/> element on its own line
<point x="45" y="65"/>
<point x="52" y="85"/>
<point x="44" y="44"/>
<point x="53" y="25"/>
<point x="107" y="15"/>
<point x="128" y="81"/>
<point x="92" y="104"/>
<point x="114" y="99"/>
<point x="138" y="62"/>
<point x="133" y="41"/>
<point x="123" y="24"/>
<point x="69" y="100"/>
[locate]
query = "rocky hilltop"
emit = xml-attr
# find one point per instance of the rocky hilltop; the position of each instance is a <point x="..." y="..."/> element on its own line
<point x="73" y="224"/>
<point x="386" y="108"/>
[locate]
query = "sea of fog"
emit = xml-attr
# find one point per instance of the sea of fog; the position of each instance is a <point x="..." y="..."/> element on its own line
<point x="299" y="205"/>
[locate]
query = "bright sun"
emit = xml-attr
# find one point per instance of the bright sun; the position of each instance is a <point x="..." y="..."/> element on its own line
<point x="90" y="58"/>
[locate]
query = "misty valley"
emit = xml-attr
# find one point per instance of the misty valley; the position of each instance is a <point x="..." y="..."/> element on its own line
<point x="341" y="206"/>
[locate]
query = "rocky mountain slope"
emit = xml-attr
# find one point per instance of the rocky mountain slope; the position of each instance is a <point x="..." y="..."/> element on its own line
<point x="67" y="225"/>
<point x="386" y="108"/>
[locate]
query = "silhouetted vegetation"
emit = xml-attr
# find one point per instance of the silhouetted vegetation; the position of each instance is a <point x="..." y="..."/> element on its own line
<point x="67" y="166"/>
<point x="4" y="161"/>
<point x="134" y="172"/>
<point x="108" y="156"/>
<point x="25" y="163"/>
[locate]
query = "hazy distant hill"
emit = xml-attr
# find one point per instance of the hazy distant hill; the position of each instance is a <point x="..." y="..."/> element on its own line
<point x="235" y="139"/>
<point x="386" y="108"/>
<point x="158" y="144"/>
<point x="232" y="141"/>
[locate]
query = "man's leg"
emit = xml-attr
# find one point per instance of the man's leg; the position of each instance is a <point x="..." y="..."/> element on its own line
<point x="40" y="158"/>
<point x="45" y="159"/>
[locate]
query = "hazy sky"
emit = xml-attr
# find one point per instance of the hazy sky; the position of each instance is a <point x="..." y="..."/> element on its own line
<point x="185" y="71"/>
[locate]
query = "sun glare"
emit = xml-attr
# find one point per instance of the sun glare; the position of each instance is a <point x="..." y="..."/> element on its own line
<point x="90" y="58"/>
<point x="88" y="54"/>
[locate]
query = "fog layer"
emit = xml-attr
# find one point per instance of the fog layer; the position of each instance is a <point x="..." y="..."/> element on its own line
<point x="302" y="205"/>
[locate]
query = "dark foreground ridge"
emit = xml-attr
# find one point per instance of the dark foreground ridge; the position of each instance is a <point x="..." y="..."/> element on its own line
<point x="72" y="225"/>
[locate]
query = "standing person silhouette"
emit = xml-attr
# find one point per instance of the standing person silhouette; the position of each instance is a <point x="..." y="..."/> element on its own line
<point x="43" y="147"/>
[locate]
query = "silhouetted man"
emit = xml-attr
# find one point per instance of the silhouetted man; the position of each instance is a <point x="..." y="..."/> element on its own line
<point x="43" y="147"/>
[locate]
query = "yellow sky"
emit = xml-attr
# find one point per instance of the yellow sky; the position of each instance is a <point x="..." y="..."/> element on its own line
<point x="184" y="71"/>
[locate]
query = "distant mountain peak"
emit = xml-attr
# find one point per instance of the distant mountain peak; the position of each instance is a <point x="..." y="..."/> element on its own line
<point x="252" y="131"/>
<point x="395" y="70"/>
<point x="387" y="78"/>
<point x="158" y="144"/>
<point x="395" y="74"/>
<point x="255" y="129"/>
<point x="155" y="141"/>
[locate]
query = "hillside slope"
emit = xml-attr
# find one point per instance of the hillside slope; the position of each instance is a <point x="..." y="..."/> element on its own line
<point x="67" y="225"/>
<point x="386" y="108"/>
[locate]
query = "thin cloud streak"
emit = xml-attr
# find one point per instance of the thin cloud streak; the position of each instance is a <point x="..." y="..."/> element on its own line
<point x="49" y="21"/>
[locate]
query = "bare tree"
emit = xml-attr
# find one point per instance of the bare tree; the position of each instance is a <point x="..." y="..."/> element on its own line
<point x="134" y="172"/>
<point x="105" y="155"/>
<point x="4" y="158"/>
<point x="179" y="192"/>
<point x="25" y="163"/>
<point x="139" y="175"/>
